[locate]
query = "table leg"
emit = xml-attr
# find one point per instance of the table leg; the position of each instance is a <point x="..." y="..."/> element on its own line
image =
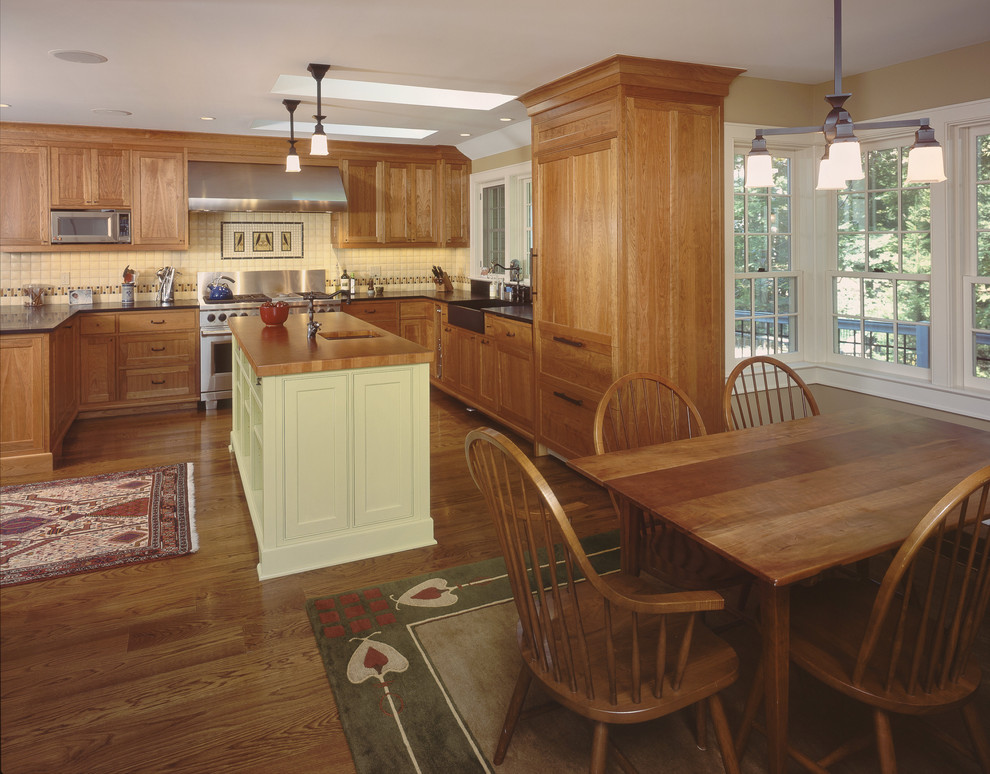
<point x="630" y="525"/>
<point x="775" y="625"/>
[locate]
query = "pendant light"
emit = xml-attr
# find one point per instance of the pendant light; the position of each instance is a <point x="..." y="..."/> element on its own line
<point x="843" y="160"/>
<point x="292" y="159"/>
<point x="318" y="146"/>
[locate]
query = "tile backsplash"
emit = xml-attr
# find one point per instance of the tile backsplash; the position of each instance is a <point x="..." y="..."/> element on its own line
<point x="400" y="269"/>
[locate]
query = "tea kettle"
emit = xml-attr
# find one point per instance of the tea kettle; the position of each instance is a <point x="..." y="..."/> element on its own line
<point x="219" y="290"/>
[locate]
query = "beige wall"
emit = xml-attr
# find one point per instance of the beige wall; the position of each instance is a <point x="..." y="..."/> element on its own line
<point x="505" y="159"/>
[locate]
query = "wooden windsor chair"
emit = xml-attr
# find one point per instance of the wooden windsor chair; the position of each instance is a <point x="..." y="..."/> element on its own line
<point x="610" y="648"/>
<point x="642" y="409"/>
<point x="762" y="390"/>
<point x="905" y="647"/>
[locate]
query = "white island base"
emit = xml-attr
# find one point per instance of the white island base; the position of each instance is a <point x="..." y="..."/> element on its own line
<point x="335" y="464"/>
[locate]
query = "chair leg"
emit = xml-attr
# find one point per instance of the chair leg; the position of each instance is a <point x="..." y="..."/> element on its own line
<point x="885" y="742"/>
<point x="976" y="727"/>
<point x="701" y="725"/>
<point x="749" y="712"/>
<point x="599" y="748"/>
<point x="723" y="735"/>
<point x="512" y="714"/>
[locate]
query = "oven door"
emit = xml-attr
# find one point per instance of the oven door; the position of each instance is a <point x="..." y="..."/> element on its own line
<point x="215" y="365"/>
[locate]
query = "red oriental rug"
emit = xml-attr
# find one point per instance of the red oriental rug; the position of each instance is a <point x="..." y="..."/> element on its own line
<point x="54" y="528"/>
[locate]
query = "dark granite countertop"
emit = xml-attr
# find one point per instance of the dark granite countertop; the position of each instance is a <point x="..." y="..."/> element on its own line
<point x="46" y="318"/>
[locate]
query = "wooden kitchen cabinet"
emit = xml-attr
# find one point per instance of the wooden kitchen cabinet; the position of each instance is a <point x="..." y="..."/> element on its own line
<point x="90" y="177"/>
<point x="143" y="358"/>
<point x="363" y="222"/>
<point x="512" y="342"/>
<point x="383" y="314"/>
<point x="487" y="374"/>
<point x="455" y="194"/>
<point x="24" y="220"/>
<point x="418" y="322"/>
<point x="627" y="185"/>
<point x="411" y="203"/>
<point x="160" y="215"/>
<point x="37" y="398"/>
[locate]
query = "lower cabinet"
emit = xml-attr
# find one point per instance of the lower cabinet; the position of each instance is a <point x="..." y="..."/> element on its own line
<point x="383" y="314"/>
<point x="335" y="465"/>
<point x="38" y="398"/>
<point x="141" y="358"/>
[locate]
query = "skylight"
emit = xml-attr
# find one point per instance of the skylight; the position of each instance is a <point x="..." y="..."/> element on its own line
<point x="349" y="130"/>
<point x="367" y="91"/>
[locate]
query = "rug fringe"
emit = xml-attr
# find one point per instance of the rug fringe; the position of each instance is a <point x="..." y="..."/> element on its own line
<point x="191" y="503"/>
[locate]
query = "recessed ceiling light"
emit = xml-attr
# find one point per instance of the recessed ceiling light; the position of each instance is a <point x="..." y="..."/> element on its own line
<point x="367" y="91"/>
<point x="79" y="57"/>
<point x="4" y="104"/>
<point x="350" y="130"/>
<point x="207" y="118"/>
<point x="111" y="112"/>
<point x="505" y="119"/>
<point x="465" y="134"/>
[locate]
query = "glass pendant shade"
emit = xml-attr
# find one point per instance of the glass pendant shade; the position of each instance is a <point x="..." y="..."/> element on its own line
<point x="829" y="176"/>
<point x="925" y="161"/>
<point x="292" y="161"/>
<point x="318" y="146"/>
<point x="759" y="170"/>
<point x="848" y="159"/>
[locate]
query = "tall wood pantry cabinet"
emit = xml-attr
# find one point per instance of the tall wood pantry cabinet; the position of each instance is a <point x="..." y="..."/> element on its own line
<point x="628" y="270"/>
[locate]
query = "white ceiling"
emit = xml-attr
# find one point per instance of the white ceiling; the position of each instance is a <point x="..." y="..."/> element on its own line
<point x="173" y="61"/>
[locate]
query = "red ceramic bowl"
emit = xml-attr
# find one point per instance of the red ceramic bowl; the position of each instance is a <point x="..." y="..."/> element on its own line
<point x="274" y="314"/>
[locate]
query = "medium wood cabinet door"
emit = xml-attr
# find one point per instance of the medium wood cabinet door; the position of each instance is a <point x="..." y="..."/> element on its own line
<point x="362" y="222"/>
<point x="161" y="199"/>
<point x="577" y="201"/>
<point x="64" y="379"/>
<point x="456" y="204"/>
<point x="97" y="370"/>
<point x="87" y="177"/>
<point x="24" y="195"/>
<point x="411" y="192"/>
<point x="23" y="410"/>
<point x="487" y="374"/>
<point x="516" y="396"/>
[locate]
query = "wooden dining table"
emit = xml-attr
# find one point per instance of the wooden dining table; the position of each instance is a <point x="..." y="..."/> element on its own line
<point x="786" y="502"/>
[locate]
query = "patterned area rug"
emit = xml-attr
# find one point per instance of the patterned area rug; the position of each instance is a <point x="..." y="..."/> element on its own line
<point x="397" y="713"/>
<point x="54" y="528"/>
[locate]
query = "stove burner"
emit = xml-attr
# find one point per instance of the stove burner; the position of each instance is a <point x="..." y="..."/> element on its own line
<point x="252" y="298"/>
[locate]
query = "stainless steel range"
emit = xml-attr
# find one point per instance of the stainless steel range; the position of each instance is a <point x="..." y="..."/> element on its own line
<point x="250" y="290"/>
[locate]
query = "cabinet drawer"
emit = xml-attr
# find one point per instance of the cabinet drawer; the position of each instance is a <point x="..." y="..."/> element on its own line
<point x="509" y="334"/>
<point x="576" y="356"/>
<point x="383" y="314"/>
<point x="158" y="320"/>
<point x="567" y="415"/>
<point x="93" y="324"/>
<point x="417" y="310"/>
<point x="150" y="349"/>
<point x="156" y="383"/>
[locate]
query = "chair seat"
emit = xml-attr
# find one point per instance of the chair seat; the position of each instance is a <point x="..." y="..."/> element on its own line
<point x="828" y="621"/>
<point x="714" y="664"/>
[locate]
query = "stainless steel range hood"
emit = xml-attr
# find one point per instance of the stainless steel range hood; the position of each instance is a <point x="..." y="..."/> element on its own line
<point x="264" y="188"/>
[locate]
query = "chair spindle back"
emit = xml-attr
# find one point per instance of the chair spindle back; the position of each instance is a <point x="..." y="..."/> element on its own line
<point x="761" y="391"/>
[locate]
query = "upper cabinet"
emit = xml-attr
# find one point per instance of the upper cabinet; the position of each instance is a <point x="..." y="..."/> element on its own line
<point x="160" y="215"/>
<point x="399" y="202"/>
<point x="24" y="195"/>
<point x="90" y="177"/>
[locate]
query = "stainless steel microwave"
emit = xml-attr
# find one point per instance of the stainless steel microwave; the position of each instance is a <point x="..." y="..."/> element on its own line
<point x="91" y="227"/>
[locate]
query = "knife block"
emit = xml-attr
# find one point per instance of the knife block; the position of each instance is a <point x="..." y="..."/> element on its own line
<point x="444" y="285"/>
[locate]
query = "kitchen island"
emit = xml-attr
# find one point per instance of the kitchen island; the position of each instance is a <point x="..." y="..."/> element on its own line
<point x="331" y="438"/>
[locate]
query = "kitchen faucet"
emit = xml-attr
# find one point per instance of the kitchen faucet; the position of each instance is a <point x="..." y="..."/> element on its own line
<point x="312" y="326"/>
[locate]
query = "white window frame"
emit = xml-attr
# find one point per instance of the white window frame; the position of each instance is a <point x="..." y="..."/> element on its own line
<point x="514" y="178"/>
<point x="964" y="137"/>
<point x="945" y="386"/>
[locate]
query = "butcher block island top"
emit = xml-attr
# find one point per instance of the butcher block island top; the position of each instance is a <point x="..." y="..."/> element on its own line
<point x="342" y="342"/>
<point x="332" y="440"/>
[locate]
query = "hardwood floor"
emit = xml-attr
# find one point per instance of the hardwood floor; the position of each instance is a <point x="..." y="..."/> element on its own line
<point x="192" y="664"/>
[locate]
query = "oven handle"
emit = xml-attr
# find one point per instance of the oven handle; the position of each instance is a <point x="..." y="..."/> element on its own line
<point x="205" y="333"/>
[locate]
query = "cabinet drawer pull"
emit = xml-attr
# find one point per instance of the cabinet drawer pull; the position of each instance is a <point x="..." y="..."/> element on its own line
<point x="369" y="311"/>
<point x="157" y="322"/>
<point x="161" y="382"/>
<point x="568" y="398"/>
<point x="510" y="335"/>
<point x="568" y="342"/>
<point x="158" y="349"/>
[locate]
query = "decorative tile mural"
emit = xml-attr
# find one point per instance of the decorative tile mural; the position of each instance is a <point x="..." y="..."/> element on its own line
<point x="261" y="240"/>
